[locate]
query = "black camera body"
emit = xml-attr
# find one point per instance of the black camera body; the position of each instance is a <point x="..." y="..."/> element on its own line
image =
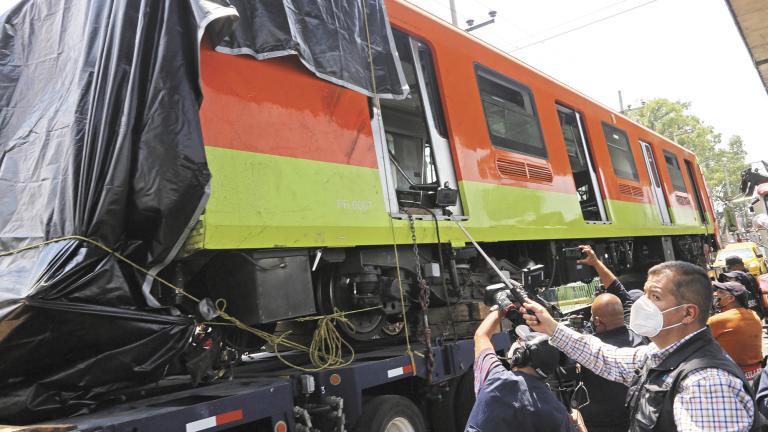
<point x="573" y="253"/>
<point x="500" y="295"/>
<point x="572" y="270"/>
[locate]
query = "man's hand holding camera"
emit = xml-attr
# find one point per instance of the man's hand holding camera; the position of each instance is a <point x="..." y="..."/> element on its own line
<point x="537" y="318"/>
<point x="590" y="257"/>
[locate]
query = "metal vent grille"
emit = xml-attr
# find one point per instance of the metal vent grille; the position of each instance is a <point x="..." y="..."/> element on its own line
<point x="540" y="173"/>
<point x="632" y="191"/>
<point x="523" y="171"/>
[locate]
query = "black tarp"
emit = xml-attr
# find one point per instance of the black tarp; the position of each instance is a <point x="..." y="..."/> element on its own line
<point x="100" y="138"/>
<point x="330" y="37"/>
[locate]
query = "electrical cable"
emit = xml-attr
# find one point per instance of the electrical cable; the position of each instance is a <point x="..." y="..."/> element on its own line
<point x="561" y="24"/>
<point x="581" y="26"/>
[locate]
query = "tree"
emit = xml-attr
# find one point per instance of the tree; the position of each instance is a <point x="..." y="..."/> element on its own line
<point x="721" y="165"/>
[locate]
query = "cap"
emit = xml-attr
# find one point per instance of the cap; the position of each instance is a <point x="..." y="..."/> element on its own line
<point x="635" y="294"/>
<point x="739" y="277"/>
<point x="734" y="274"/>
<point x="734" y="288"/>
<point x="733" y="260"/>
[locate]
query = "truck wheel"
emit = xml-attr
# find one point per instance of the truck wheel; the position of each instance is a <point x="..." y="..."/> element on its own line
<point x="390" y="413"/>
<point x="464" y="399"/>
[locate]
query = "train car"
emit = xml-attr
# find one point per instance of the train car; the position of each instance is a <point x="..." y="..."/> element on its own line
<point x="324" y="199"/>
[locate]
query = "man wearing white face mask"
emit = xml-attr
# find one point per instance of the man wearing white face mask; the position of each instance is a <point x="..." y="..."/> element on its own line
<point x="682" y="380"/>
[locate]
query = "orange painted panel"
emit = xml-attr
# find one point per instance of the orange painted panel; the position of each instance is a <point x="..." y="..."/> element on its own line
<point x="279" y="107"/>
<point x="455" y="54"/>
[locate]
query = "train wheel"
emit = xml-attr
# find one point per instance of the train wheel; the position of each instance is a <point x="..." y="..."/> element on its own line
<point x="390" y="413"/>
<point x="336" y="294"/>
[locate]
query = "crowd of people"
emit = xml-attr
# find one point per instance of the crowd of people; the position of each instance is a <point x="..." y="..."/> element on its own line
<point x="683" y="354"/>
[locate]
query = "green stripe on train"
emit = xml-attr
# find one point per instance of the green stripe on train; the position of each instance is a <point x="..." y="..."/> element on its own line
<point x="265" y="201"/>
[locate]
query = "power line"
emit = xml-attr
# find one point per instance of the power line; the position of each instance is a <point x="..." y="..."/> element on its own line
<point x="501" y="17"/>
<point x="612" y="5"/>
<point x="582" y="26"/>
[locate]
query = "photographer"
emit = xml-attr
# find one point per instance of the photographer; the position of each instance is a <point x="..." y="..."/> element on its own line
<point x="607" y="278"/>
<point x="682" y="380"/>
<point x="516" y="399"/>
<point x="605" y="411"/>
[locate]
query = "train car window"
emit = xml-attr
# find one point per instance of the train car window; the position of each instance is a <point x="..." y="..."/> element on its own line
<point x="675" y="174"/>
<point x="621" y="155"/>
<point x="510" y="113"/>
<point x="580" y="158"/>
<point x="410" y="140"/>
<point x="696" y="193"/>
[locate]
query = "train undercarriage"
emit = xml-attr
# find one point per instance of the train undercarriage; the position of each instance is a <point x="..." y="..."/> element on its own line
<point x="383" y="287"/>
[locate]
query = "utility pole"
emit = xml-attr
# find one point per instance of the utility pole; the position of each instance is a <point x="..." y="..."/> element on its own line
<point x="454" y="15"/>
<point x="621" y="103"/>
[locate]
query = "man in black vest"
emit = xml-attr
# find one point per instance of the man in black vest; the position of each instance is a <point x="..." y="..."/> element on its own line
<point x="605" y="411"/>
<point x="682" y="380"/>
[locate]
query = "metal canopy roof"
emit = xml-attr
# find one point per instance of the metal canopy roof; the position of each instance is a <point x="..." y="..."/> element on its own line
<point x="751" y="18"/>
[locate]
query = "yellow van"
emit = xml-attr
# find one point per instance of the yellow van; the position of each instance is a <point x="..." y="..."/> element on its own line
<point x="750" y="253"/>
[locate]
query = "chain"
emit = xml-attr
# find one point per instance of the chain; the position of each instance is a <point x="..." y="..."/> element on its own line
<point x="423" y="300"/>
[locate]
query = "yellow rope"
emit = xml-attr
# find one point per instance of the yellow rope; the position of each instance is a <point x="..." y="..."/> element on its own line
<point x="326" y="350"/>
<point x="409" y="350"/>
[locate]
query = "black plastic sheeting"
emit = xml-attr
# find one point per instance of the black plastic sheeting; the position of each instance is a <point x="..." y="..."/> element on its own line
<point x="99" y="137"/>
<point x="330" y="37"/>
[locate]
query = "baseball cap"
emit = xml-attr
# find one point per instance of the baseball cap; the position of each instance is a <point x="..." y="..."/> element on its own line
<point x="734" y="274"/>
<point x="635" y="294"/>
<point x="734" y="288"/>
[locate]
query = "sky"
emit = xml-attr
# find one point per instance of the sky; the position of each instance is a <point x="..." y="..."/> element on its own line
<point x="686" y="50"/>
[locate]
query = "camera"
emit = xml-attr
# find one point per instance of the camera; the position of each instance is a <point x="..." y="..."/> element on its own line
<point x="571" y="270"/>
<point x="574" y="253"/>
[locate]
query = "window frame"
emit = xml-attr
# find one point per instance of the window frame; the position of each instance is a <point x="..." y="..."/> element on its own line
<point x="635" y="175"/>
<point x="489" y="74"/>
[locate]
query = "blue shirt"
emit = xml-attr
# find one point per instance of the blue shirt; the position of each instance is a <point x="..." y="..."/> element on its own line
<point x="509" y="400"/>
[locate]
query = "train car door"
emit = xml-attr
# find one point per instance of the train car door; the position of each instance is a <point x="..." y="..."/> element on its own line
<point x="411" y="137"/>
<point x="658" y="191"/>
<point x="582" y="166"/>
<point x="696" y="193"/>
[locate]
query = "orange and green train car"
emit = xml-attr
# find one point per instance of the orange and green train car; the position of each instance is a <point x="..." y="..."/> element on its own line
<point x="314" y="183"/>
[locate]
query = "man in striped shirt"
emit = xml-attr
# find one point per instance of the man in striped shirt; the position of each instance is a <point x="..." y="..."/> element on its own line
<point x="516" y="399"/>
<point x="682" y="380"/>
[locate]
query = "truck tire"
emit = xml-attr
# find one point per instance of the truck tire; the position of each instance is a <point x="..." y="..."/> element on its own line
<point x="464" y="400"/>
<point x="390" y="413"/>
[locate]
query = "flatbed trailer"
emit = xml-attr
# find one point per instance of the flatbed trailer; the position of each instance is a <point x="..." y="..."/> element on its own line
<point x="370" y="394"/>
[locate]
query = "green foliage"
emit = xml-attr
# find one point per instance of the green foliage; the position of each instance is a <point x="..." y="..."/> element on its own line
<point x="720" y="164"/>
